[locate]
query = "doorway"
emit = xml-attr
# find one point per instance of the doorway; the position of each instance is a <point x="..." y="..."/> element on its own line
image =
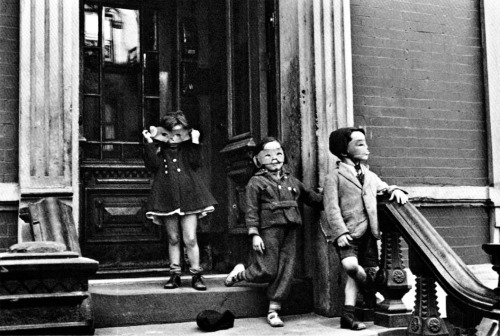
<point x="213" y="59"/>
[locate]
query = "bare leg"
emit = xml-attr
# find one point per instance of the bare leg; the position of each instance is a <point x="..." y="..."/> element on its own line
<point x="350" y="291"/>
<point x="355" y="274"/>
<point x="174" y="246"/>
<point x="189" y="223"/>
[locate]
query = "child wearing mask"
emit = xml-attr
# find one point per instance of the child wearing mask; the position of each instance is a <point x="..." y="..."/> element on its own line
<point x="179" y="195"/>
<point x="273" y="220"/>
<point x="350" y="200"/>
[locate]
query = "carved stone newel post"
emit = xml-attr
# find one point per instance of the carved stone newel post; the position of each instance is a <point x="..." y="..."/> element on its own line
<point x="392" y="280"/>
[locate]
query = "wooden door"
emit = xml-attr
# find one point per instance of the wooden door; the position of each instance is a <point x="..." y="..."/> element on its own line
<point x="126" y="86"/>
<point x="252" y="105"/>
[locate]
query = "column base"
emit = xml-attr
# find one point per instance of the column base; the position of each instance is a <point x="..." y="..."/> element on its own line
<point x="392" y="320"/>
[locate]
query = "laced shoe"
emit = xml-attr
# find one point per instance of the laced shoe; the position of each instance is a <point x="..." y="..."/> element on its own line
<point x="173" y="282"/>
<point x="198" y="283"/>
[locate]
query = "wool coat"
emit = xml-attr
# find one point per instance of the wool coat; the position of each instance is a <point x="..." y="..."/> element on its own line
<point x="177" y="182"/>
<point x="270" y="202"/>
<point x="349" y="206"/>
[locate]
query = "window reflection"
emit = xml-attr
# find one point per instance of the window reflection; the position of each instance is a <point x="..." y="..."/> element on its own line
<point x="113" y="79"/>
<point x="121" y="35"/>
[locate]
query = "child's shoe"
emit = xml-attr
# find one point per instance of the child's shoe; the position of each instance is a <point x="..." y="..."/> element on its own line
<point x="274" y="320"/>
<point x="232" y="277"/>
<point x="198" y="283"/>
<point x="173" y="282"/>
<point x="348" y="321"/>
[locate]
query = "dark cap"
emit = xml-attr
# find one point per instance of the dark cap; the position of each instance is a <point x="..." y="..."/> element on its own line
<point x="339" y="139"/>
<point x="211" y="320"/>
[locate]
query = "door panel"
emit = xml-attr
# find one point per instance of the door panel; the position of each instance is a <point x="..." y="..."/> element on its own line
<point x="250" y="47"/>
<point x="116" y="232"/>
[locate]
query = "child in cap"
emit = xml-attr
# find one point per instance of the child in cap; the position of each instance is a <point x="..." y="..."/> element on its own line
<point x="350" y="200"/>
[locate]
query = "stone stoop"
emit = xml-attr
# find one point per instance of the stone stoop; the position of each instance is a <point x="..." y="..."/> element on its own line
<point x="127" y="302"/>
<point x="304" y="324"/>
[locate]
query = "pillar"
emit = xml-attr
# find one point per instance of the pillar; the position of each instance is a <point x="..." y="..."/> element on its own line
<point x="49" y="100"/>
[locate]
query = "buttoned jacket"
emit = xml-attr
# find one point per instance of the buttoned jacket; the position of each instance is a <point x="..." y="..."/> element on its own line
<point x="177" y="182"/>
<point x="349" y="206"/>
<point x="270" y="202"/>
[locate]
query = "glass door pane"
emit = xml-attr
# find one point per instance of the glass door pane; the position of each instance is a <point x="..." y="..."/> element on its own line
<point x="120" y="79"/>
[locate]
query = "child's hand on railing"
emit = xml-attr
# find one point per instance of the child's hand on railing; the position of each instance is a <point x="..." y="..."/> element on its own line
<point x="400" y="196"/>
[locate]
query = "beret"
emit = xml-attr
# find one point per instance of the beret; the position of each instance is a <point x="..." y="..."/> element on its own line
<point x="211" y="320"/>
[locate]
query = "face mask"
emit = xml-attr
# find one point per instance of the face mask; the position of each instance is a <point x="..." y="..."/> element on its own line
<point x="267" y="156"/>
<point x="178" y="135"/>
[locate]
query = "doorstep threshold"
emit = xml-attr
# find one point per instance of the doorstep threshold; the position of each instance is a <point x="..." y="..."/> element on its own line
<point x="150" y="279"/>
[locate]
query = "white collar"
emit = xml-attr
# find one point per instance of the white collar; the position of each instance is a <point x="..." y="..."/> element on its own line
<point x="352" y="169"/>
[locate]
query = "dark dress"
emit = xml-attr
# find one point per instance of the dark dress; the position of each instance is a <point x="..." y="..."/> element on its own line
<point x="178" y="187"/>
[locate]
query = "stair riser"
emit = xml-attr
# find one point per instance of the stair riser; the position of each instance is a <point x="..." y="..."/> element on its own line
<point x="181" y="305"/>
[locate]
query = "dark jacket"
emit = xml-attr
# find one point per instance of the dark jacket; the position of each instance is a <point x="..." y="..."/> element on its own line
<point x="349" y="206"/>
<point x="177" y="181"/>
<point x="270" y="202"/>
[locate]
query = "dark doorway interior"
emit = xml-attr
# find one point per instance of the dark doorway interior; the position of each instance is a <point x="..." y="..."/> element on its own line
<point x="213" y="59"/>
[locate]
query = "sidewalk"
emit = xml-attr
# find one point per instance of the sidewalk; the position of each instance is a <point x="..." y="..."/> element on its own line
<point x="308" y="324"/>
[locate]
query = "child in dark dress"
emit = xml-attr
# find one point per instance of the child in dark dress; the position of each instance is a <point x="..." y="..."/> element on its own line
<point x="179" y="195"/>
<point x="273" y="220"/>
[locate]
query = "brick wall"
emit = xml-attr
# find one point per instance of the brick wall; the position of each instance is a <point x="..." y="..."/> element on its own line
<point x="418" y="90"/>
<point x="9" y="112"/>
<point x="8" y="229"/>
<point x="9" y="89"/>
<point x="465" y="229"/>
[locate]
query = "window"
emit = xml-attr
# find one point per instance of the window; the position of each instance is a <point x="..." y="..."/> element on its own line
<point x="120" y="80"/>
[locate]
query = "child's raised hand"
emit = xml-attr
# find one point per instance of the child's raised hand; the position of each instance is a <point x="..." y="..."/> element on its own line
<point x="195" y="136"/>
<point x="147" y="136"/>
<point x="400" y="196"/>
<point x="344" y="240"/>
<point x="258" y="244"/>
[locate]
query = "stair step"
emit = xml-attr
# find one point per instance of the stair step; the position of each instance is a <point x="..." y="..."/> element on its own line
<point x="144" y="301"/>
<point x="304" y="324"/>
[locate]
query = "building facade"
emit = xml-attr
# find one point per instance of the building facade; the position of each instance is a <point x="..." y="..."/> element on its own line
<point x="81" y="79"/>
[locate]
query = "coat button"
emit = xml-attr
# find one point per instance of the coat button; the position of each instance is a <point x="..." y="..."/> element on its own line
<point x="166" y="172"/>
<point x="279" y="187"/>
<point x="179" y="170"/>
<point x="175" y="160"/>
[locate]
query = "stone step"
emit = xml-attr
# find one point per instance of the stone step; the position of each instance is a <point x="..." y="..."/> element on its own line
<point x="304" y="324"/>
<point x="144" y="301"/>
